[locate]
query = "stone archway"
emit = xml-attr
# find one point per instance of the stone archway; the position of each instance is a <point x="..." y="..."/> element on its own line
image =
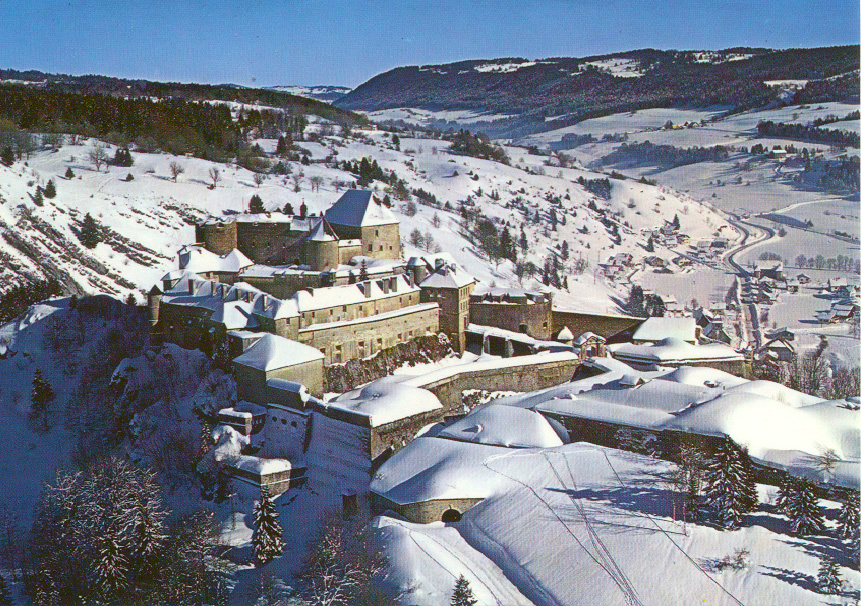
<point x="451" y="515"/>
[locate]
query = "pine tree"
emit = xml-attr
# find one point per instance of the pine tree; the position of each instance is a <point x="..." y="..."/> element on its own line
<point x="256" y="205"/>
<point x="288" y="209"/>
<point x="462" y="595"/>
<point x="693" y="508"/>
<point x="41" y="397"/>
<point x="847" y="523"/>
<point x="89" y="233"/>
<point x="7" y="157"/>
<point x="5" y="593"/>
<point x="37" y="198"/>
<point x="829" y="577"/>
<point x="266" y="538"/>
<point x="677" y="225"/>
<point x="50" y="189"/>
<point x="730" y="486"/>
<point x="784" y="493"/>
<point x="650" y="245"/>
<point x="524" y="244"/>
<point x="565" y="252"/>
<point x="803" y="510"/>
<point x="363" y="271"/>
<point x="69" y="173"/>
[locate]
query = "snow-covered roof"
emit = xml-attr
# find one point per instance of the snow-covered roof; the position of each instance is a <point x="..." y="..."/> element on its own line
<point x="566" y="335"/>
<point x="322" y="232"/>
<point x="235" y="305"/>
<point x="448" y="276"/>
<point x="348" y="294"/>
<point x="584" y="337"/>
<point x="498" y="425"/>
<point x="359" y="208"/>
<point x="272" y="352"/>
<point x="385" y="402"/>
<point x="673" y="350"/>
<point x="657" y="329"/>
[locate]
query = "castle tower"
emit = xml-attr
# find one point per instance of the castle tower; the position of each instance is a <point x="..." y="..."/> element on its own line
<point x="321" y="247"/>
<point x="153" y="300"/>
<point x="219" y="237"/>
<point x="450" y="287"/>
<point x="358" y="215"/>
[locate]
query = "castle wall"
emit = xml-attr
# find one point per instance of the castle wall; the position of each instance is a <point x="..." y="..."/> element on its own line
<point x="529" y="376"/>
<point x="283" y="286"/>
<point x="340" y="342"/>
<point x="363" y="309"/>
<point x="604" y="325"/>
<point x="270" y="242"/>
<point x="378" y="241"/>
<point x="424" y="512"/>
<point x="391" y="437"/>
<point x="251" y="382"/>
<point x="345" y="253"/>
<point x="535" y="319"/>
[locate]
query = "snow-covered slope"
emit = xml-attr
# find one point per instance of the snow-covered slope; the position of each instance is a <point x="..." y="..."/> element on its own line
<point x="147" y="218"/>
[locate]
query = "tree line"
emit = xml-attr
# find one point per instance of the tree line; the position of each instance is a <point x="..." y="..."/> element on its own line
<point x="803" y="132"/>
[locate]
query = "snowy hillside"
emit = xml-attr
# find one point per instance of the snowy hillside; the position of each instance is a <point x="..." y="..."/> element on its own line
<point x="146" y="219"/>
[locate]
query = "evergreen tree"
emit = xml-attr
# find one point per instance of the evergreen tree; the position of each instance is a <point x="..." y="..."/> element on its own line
<point x="123" y="157"/>
<point x="256" y="205"/>
<point x="636" y="301"/>
<point x="524" y="244"/>
<point x="829" y="577"/>
<point x="677" y="225"/>
<point x="650" y="245"/>
<point x="363" y="271"/>
<point x="69" y="173"/>
<point x="131" y="299"/>
<point x="40" y="397"/>
<point x="506" y="245"/>
<point x="803" y="510"/>
<point x="50" y="189"/>
<point x="784" y="493"/>
<point x="847" y="523"/>
<point x="565" y="252"/>
<point x="462" y="595"/>
<point x="89" y="233"/>
<point x="693" y="508"/>
<point x="266" y="538"/>
<point x="288" y="209"/>
<point x="7" y="157"/>
<point x="730" y="486"/>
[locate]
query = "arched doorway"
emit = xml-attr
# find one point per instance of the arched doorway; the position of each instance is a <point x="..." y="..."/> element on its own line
<point x="451" y="515"/>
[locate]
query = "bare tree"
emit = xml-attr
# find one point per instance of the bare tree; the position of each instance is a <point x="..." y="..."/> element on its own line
<point x="316" y="181"/>
<point x="98" y="156"/>
<point x="259" y="178"/>
<point x="436" y="221"/>
<point x="215" y="175"/>
<point x="176" y="170"/>
<point x="297" y="182"/>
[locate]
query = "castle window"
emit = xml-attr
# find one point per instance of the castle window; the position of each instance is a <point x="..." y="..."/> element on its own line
<point x="377" y="232"/>
<point x="283" y="421"/>
<point x="370" y="248"/>
<point x="294" y="424"/>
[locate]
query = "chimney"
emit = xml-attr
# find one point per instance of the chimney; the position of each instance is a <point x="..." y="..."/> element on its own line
<point x="191" y="286"/>
<point x="214" y="286"/>
<point x="366" y="289"/>
<point x="385" y="285"/>
<point x="394" y="283"/>
<point x="264" y="299"/>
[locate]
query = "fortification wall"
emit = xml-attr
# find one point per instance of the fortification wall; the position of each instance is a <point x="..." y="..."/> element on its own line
<point x="424" y="512"/>
<point x="534" y="319"/>
<point x="605" y="325"/>
<point x="530" y="374"/>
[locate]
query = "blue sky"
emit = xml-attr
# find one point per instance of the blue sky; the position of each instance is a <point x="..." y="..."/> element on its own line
<point x="269" y="42"/>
